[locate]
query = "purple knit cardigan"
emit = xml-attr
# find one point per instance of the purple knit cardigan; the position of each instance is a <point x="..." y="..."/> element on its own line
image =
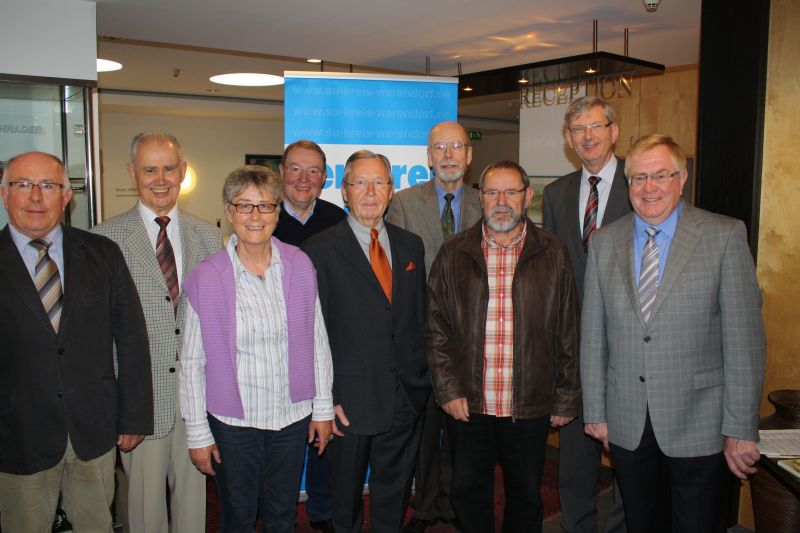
<point x="212" y="292"/>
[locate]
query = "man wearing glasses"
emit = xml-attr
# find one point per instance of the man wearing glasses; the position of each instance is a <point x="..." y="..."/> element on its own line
<point x="162" y="244"/>
<point x="436" y="210"/>
<point x="303" y="212"/>
<point x="67" y="397"/>
<point x="501" y="342"/>
<point x="672" y="349"/>
<point x="371" y="281"/>
<point x="575" y="205"/>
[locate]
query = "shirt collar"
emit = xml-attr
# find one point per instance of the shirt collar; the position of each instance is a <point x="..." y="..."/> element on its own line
<point x="440" y="192"/>
<point x="239" y="268"/>
<point x="55" y="238"/>
<point x="149" y="216"/>
<point x="606" y="173"/>
<point x="291" y="212"/>
<point x="361" y="231"/>
<point x="666" y="228"/>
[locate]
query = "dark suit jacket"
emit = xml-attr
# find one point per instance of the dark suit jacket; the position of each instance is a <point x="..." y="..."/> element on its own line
<point x="561" y="213"/>
<point x="373" y="342"/>
<point x="55" y="385"/>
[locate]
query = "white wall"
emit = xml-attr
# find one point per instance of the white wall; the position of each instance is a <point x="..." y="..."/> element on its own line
<point x="212" y="146"/>
<point x="51" y="38"/>
<point x="492" y="147"/>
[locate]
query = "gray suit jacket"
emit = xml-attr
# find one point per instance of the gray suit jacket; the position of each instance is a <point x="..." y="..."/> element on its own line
<point x="561" y="213"/>
<point x="698" y="364"/>
<point x="199" y="239"/>
<point x="417" y="210"/>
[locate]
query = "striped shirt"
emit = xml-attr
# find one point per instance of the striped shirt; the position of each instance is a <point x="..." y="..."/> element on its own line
<point x="498" y="343"/>
<point x="262" y="358"/>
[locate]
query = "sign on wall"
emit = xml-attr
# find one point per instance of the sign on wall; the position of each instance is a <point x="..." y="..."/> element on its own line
<point x="387" y="114"/>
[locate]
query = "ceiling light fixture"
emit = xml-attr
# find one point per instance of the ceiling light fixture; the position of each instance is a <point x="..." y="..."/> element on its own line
<point x="523" y="80"/>
<point x="106" y="65"/>
<point x="247" y="79"/>
<point x="590" y="70"/>
<point x="467" y="89"/>
<point x="313" y="60"/>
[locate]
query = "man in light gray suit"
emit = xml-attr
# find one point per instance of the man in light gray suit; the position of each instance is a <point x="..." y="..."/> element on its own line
<point x="161" y="245"/>
<point x="435" y="210"/>
<point x="574" y="206"/>
<point x="672" y="349"/>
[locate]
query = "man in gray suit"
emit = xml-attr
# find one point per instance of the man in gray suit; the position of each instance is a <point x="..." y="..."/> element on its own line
<point x="574" y="206"/>
<point x="161" y="245"/>
<point x="434" y="211"/>
<point x="672" y="349"/>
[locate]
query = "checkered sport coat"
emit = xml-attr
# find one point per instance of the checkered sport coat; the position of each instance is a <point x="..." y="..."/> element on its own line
<point x="698" y="364"/>
<point x="199" y="239"/>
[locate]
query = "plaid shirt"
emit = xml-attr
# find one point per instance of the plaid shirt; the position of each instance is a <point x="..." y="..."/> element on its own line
<point x="498" y="343"/>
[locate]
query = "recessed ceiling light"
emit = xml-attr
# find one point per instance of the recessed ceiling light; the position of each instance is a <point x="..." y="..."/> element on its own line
<point x="313" y="60"/>
<point x="247" y="79"/>
<point x="105" y="65"/>
<point x="523" y="80"/>
<point x="590" y="70"/>
<point x="467" y="88"/>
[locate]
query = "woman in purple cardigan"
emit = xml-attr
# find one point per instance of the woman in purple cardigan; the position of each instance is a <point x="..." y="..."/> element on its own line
<point x="256" y="370"/>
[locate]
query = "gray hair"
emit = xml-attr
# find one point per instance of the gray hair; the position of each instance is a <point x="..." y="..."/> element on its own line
<point x="585" y="103"/>
<point x="366" y="154"/>
<point x="507" y="164"/>
<point x="262" y="178"/>
<point x="56" y="159"/>
<point x="157" y="137"/>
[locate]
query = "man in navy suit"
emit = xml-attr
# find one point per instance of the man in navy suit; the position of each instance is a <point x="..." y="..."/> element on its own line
<point x="371" y="279"/>
<point x="67" y="298"/>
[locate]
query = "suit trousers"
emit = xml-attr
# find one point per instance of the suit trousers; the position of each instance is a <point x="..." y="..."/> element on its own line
<point x="477" y="446"/>
<point x="579" y="482"/>
<point x="28" y="503"/>
<point x="391" y="457"/>
<point x="318" y="486"/>
<point x="671" y="494"/>
<point x="150" y="468"/>
<point x="434" y="471"/>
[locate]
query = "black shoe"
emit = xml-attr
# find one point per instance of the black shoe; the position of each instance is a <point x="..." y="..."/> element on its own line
<point x="455" y="524"/>
<point x="60" y="523"/>
<point x="417" y="525"/>
<point x="326" y="526"/>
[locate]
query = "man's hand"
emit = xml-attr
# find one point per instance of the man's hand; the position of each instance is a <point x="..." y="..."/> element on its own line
<point x="338" y="412"/>
<point x="126" y="443"/>
<point x="741" y="455"/>
<point x="560" y="421"/>
<point x="321" y="430"/>
<point x="598" y="431"/>
<point x="458" y="409"/>
<point x="201" y="458"/>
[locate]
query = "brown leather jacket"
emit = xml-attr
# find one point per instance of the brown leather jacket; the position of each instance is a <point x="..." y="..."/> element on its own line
<point x="546" y="325"/>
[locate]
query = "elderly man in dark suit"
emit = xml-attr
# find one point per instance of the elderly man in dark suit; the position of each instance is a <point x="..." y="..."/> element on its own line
<point x="574" y="206"/>
<point x="162" y="244"/>
<point x="371" y="278"/>
<point x="672" y="349"/>
<point x="67" y="299"/>
<point x="436" y="210"/>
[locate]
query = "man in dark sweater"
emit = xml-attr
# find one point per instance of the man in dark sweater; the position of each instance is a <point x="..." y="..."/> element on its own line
<point x="303" y="213"/>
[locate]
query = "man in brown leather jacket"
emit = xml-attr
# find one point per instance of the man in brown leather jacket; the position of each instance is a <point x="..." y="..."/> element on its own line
<point x="502" y="346"/>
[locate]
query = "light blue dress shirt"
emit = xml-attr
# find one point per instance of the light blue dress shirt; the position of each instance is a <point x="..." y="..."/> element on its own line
<point x="663" y="240"/>
<point x="455" y="204"/>
<point x="30" y="254"/>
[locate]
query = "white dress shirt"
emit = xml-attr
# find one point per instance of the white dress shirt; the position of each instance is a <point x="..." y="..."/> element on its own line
<point x="606" y="176"/>
<point x="173" y="233"/>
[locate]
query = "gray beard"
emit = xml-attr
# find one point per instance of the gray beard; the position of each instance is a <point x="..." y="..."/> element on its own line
<point x="503" y="227"/>
<point x="448" y="179"/>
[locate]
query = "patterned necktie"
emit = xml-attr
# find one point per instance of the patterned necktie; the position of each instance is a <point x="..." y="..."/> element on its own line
<point x="380" y="264"/>
<point x="648" y="277"/>
<point x="48" y="282"/>
<point x="166" y="260"/>
<point x="590" y="215"/>
<point x="448" y="220"/>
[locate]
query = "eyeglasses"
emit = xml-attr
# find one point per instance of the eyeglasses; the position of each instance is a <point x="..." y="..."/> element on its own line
<point x="362" y="184"/>
<point x="658" y="179"/>
<point x="296" y="170"/>
<point x="47" y="188"/>
<point x="591" y="128"/>
<point x="455" y="146"/>
<point x="511" y="194"/>
<point x="246" y="209"/>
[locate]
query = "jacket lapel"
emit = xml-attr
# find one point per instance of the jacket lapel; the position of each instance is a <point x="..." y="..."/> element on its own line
<point x="12" y="266"/>
<point x="470" y="208"/>
<point x="139" y="245"/>
<point x="571" y="200"/>
<point x="625" y="257"/>
<point x="74" y="261"/>
<point x="348" y="247"/>
<point x="618" y="204"/>
<point x="428" y="211"/>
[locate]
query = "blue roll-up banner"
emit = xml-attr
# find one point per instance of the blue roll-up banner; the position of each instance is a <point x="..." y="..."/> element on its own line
<point x="387" y="114"/>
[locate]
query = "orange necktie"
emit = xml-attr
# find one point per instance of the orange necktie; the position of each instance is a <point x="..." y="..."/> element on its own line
<point x="380" y="264"/>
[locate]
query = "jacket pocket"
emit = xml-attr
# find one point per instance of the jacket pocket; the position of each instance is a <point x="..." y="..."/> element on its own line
<point x="708" y="378"/>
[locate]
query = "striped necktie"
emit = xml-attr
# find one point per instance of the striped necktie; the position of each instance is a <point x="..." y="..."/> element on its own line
<point x="48" y="282"/>
<point x="648" y="277"/>
<point x="590" y="215"/>
<point x="166" y="260"/>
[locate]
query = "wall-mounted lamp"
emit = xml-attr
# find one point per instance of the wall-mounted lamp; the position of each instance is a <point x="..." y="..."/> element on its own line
<point x="189" y="181"/>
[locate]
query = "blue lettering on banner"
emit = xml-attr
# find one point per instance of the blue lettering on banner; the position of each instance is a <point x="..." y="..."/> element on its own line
<point x="416" y="175"/>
